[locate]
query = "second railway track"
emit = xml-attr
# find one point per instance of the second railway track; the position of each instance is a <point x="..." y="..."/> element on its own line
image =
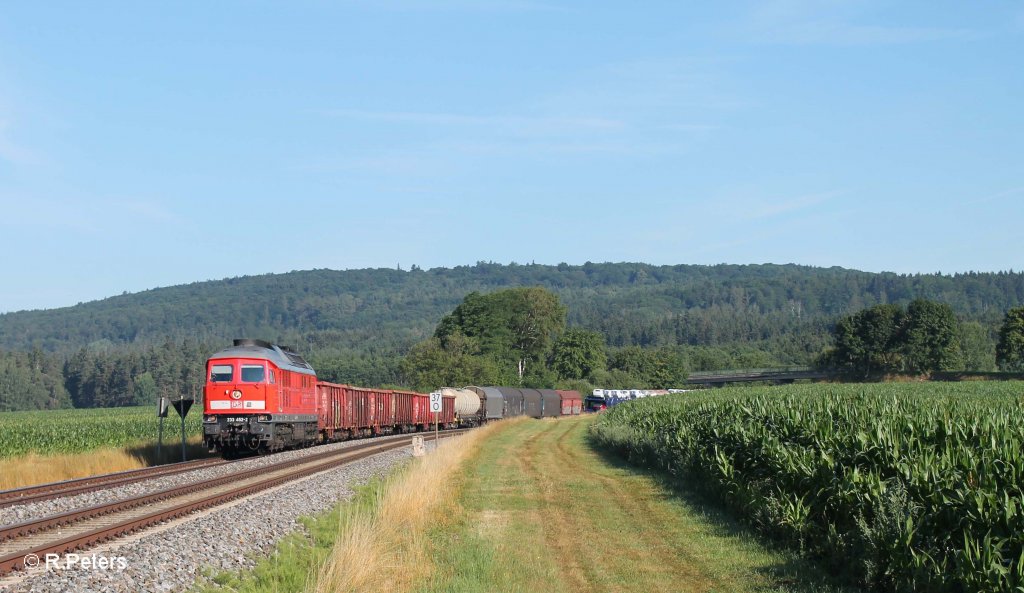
<point x="77" y="529"/>
<point x="30" y="494"/>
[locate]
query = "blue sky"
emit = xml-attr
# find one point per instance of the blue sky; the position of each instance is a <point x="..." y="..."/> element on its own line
<point x="148" y="144"/>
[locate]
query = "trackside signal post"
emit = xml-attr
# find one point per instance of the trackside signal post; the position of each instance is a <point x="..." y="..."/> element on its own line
<point x="435" y="407"/>
<point x="182" y="406"/>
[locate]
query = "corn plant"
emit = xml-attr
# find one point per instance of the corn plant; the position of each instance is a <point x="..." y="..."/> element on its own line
<point x="901" y="487"/>
<point x="73" y="431"/>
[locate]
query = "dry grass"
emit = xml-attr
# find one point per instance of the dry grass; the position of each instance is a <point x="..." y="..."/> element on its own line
<point x="32" y="469"/>
<point x="38" y="469"/>
<point x="384" y="551"/>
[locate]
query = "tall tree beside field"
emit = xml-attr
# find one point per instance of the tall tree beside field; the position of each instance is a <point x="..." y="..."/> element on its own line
<point x="1010" y="349"/>
<point x="661" y="368"/>
<point x="535" y="317"/>
<point x="924" y="338"/>
<point x="931" y="338"/>
<point x="868" y="341"/>
<point x="453" y="363"/>
<point x="977" y="346"/>
<point x="513" y="327"/>
<point x="578" y="353"/>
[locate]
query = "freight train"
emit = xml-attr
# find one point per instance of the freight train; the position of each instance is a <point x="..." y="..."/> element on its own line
<point x="260" y="398"/>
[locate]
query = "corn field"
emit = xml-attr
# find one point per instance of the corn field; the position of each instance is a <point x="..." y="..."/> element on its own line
<point x="72" y="431"/>
<point x="898" y="487"/>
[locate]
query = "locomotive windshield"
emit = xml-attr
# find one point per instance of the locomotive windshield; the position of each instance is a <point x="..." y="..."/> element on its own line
<point x="252" y="373"/>
<point x="220" y="373"/>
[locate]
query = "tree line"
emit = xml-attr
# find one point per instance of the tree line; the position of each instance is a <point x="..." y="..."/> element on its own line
<point x="363" y="326"/>
<point x="786" y="311"/>
<point x="924" y="337"/>
<point x="101" y="376"/>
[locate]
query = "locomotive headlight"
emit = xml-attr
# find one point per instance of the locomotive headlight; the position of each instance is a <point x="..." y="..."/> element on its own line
<point x="210" y="419"/>
<point x="236" y="394"/>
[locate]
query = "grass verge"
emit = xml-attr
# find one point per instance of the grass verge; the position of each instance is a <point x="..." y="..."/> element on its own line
<point x="374" y="542"/>
<point x="539" y="510"/>
<point x="298" y="558"/>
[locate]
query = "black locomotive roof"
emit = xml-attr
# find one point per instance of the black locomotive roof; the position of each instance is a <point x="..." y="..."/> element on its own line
<point x="282" y="356"/>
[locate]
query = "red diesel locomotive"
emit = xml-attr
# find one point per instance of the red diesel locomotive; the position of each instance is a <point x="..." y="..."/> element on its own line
<point x="260" y="397"/>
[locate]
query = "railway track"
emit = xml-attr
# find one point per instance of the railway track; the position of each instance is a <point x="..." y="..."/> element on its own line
<point x="78" y="529"/>
<point x="52" y="490"/>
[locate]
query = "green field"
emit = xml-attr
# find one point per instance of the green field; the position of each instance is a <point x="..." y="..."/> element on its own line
<point x="73" y="431"/>
<point x="900" y="487"/>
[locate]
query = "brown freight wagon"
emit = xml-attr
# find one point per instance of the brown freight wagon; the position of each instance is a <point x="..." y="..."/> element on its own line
<point x="332" y="413"/>
<point x="572" y="402"/>
<point x="405" y="405"/>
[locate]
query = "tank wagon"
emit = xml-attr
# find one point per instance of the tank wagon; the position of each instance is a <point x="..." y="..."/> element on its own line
<point x="261" y="397"/>
<point x="470" y="406"/>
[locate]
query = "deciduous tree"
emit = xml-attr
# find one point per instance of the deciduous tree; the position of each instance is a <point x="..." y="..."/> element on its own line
<point x="578" y="353"/>
<point x="1010" y="349"/>
<point x="930" y="338"/>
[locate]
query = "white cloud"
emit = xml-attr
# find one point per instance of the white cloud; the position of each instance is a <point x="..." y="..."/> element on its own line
<point x="775" y="208"/>
<point x="810" y="22"/>
<point x="638" y="108"/>
<point x="457" y="5"/>
<point x="537" y="124"/>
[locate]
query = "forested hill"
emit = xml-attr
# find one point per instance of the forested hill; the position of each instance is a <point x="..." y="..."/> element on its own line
<point x="783" y="309"/>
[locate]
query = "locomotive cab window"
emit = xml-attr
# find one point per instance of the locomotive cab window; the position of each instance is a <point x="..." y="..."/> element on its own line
<point x="252" y="373"/>
<point x="220" y="373"/>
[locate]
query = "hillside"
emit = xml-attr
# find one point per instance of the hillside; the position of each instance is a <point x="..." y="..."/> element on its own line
<point x="388" y="310"/>
<point x="357" y="325"/>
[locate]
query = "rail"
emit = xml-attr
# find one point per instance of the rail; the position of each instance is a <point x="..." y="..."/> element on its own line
<point x="36" y="493"/>
<point x="73" y="530"/>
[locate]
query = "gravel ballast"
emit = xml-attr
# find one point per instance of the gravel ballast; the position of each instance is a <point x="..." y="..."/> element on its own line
<point x="44" y="508"/>
<point x="227" y="538"/>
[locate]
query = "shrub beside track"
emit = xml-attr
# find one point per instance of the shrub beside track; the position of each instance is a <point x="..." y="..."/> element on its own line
<point x="901" y="487"/>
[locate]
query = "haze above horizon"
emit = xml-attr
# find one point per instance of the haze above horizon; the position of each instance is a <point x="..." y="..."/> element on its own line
<point x="146" y="145"/>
